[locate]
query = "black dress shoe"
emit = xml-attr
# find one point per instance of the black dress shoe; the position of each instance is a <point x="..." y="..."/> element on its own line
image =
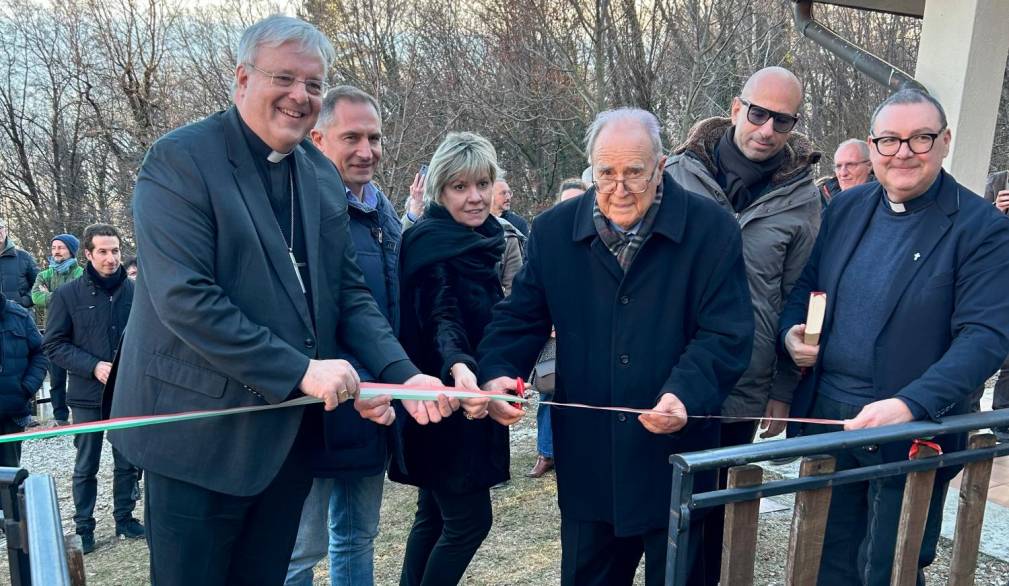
<point x="542" y="466"/>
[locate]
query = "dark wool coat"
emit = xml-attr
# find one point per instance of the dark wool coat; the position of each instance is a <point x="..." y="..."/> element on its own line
<point x="443" y="315"/>
<point x="83" y="328"/>
<point x="947" y="326"/>
<point x="22" y="364"/>
<point x="679" y="322"/>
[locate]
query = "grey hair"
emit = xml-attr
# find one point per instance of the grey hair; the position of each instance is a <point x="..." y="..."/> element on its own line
<point x="347" y="93"/>
<point x="461" y="154"/>
<point x="909" y="96"/>
<point x="863" y="147"/>
<point x="276" y="30"/>
<point x="643" y="117"/>
<point x="571" y="183"/>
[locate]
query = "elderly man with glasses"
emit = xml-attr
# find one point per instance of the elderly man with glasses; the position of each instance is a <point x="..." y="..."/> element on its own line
<point x="758" y="169"/>
<point x="645" y="284"/>
<point x="851" y="167"/>
<point x="915" y="270"/>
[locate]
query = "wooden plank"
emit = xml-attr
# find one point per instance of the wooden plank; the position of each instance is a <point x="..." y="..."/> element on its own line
<point x="970" y="514"/>
<point x="809" y="520"/>
<point x="913" y="513"/>
<point x="739" y="542"/>
<point x="75" y="559"/>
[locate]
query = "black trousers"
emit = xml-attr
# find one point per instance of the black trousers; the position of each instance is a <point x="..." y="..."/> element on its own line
<point x="199" y="536"/>
<point x="732" y="434"/>
<point x="592" y="555"/>
<point x="58" y="392"/>
<point x="89" y="454"/>
<point x="863" y="518"/>
<point x="10" y="453"/>
<point x="447" y="531"/>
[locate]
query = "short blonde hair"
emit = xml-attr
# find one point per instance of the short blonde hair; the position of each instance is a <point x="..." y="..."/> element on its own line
<point x="461" y="154"/>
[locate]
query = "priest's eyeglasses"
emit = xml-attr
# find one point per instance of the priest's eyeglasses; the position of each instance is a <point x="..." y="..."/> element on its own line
<point x="315" y="87"/>
<point x="919" y="144"/>
<point x="633" y="185"/>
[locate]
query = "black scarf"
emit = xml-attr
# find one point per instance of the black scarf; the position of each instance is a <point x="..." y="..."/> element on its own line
<point x="742" y="180"/>
<point x="437" y="237"/>
<point x="107" y="284"/>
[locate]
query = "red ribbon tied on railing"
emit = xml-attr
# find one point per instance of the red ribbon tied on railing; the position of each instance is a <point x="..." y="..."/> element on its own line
<point x="916" y="446"/>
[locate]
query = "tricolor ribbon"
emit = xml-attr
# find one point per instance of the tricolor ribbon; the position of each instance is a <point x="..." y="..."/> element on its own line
<point x="367" y="391"/>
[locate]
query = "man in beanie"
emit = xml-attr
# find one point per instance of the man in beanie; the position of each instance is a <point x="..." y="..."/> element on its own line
<point x="17" y="270"/>
<point x="62" y="269"/>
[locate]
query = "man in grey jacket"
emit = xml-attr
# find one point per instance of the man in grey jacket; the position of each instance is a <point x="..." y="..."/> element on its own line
<point x="759" y="170"/>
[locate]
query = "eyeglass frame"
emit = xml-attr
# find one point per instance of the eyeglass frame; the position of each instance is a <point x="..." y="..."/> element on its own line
<point x="902" y="141"/>
<point x="623" y="182"/>
<point x="843" y="165"/>
<point x="323" y="86"/>
<point x="772" y="114"/>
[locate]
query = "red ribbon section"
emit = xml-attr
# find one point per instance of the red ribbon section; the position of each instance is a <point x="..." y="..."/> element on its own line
<point x="916" y="446"/>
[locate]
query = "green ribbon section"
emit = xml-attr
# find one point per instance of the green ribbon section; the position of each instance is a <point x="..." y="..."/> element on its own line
<point x="368" y="391"/>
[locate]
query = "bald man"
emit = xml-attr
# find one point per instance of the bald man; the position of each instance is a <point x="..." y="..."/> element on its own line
<point x="760" y="170"/>
<point x="851" y="167"/>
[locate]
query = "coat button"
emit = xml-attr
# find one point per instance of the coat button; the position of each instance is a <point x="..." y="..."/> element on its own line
<point x="624" y="300"/>
<point x="621" y="417"/>
<point x="625" y="359"/>
<point x="309" y="343"/>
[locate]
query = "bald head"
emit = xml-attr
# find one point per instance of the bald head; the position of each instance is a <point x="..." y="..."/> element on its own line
<point x="778" y="80"/>
<point x="769" y="93"/>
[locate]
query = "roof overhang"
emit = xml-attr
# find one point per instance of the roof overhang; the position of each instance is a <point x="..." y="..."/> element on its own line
<point x="915" y="8"/>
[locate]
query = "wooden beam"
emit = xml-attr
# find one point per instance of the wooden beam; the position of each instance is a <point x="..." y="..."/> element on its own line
<point x="915" y="8"/>
<point x="970" y="514"/>
<point x="913" y="513"/>
<point x="739" y="542"/>
<point x="809" y="520"/>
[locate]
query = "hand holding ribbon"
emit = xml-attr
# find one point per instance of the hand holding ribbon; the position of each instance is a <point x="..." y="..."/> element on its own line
<point x="671" y="416"/>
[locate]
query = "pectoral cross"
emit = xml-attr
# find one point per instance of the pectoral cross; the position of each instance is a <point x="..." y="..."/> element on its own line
<point x="917" y="255"/>
<point x="297" y="270"/>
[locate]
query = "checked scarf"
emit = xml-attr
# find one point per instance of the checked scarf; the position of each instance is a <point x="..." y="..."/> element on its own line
<point x="625" y="245"/>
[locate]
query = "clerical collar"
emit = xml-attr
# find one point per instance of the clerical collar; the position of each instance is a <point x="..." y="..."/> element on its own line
<point x="260" y="150"/>
<point x="917" y="203"/>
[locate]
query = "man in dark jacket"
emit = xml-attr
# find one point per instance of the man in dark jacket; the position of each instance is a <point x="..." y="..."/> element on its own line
<point x="996" y="191"/>
<point x="350" y="468"/>
<point x="86" y="319"/>
<point x="501" y="206"/>
<point x="17" y="270"/>
<point x="646" y="286"/>
<point x="915" y="269"/>
<point x="22" y="370"/>
<point x="851" y="167"/>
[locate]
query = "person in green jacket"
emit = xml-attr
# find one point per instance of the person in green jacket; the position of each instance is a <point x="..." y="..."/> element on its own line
<point x="62" y="269"/>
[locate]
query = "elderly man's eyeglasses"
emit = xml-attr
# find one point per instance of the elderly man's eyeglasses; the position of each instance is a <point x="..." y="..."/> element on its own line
<point x="758" y="116"/>
<point x="919" y="144"/>
<point x="633" y="185"/>
<point x="315" y="87"/>
<point x="846" y="166"/>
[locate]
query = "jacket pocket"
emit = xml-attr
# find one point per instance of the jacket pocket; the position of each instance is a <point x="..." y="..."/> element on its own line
<point x="187" y="376"/>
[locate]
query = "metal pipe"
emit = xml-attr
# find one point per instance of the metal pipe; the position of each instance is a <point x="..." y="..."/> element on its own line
<point x="877" y="69"/>
<point x="45" y="532"/>
<point x="838" y="440"/>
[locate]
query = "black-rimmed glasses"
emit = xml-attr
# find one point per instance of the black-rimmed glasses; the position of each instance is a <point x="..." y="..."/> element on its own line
<point x="919" y="144"/>
<point x="842" y="166"/>
<point x="315" y="87"/>
<point x="759" y="115"/>
<point x="632" y="185"/>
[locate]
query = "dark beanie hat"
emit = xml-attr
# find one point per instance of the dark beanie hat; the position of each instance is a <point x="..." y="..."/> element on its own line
<point x="71" y="241"/>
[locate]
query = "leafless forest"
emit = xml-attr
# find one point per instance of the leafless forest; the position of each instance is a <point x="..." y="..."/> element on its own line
<point x="88" y="85"/>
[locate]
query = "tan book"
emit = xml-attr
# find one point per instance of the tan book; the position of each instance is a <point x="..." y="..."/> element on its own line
<point x="814" y="317"/>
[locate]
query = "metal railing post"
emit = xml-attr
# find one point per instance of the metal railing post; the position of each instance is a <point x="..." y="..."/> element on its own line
<point x="45" y="536"/>
<point x="677" y="551"/>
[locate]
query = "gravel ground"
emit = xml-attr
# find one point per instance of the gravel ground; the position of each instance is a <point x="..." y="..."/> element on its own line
<point x="522" y="548"/>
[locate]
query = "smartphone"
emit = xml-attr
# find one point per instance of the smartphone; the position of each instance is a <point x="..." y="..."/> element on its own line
<point x="423" y="170"/>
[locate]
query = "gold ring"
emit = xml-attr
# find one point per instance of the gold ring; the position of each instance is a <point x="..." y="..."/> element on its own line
<point x="468" y="416"/>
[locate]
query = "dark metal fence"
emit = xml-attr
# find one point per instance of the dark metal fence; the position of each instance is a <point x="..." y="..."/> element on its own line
<point x="34" y="531"/>
<point x="684" y="502"/>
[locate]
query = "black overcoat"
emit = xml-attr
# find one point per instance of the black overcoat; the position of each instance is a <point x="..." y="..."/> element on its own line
<point x="680" y="321"/>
